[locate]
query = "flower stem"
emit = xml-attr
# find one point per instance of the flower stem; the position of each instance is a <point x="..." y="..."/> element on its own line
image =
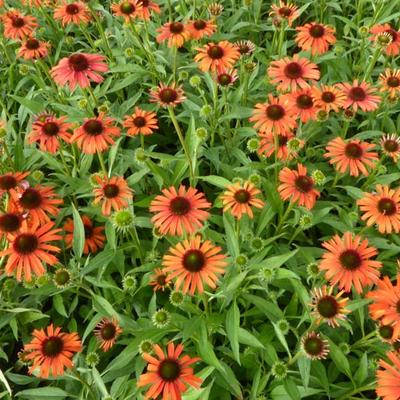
<point x="372" y="63"/>
<point x="103" y="165"/>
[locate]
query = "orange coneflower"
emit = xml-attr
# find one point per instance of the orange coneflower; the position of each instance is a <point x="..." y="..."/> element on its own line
<point x="114" y="193"/>
<point x="239" y="199"/>
<point x="328" y="98"/>
<point x="127" y="9"/>
<point x="292" y="73"/>
<point x="314" y="347"/>
<point x="47" y="130"/>
<point x="11" y="220"/>
<point x="160" y="280"/>
<point x="382" y="208"/>
<point x="51" y="351"/>
<point x="393" y="48"/>
<point x="327" y="307"/>
<point x="28" y="250"/>
<point x="32" y="49"/>
<point x="217" y="57"/>
<point x="301" y="104"/>
<point x="169" y="374"/>
<point x="386" y="304"/>
<point x="106" y="332"/>
<point x="141" y="122"/>
<point x="10" y="181"/>
<point x="38" y="201"/>
<point x="354" y="156"/>
<point x="72" y="13"/>
<point x="390" y="145"/>
<point x="245" y="47"/>
<point x="94" y="237"/>
<point x="167" y="95"/>
<point x="96" y="134"/>
<point x="390" y="82"/>
<point x="79" y="69"/>
<point x="298" y="186"/>
<point x="388" y="377"/>
<point x="179" y="212"/>
<point x="176" y="33"/>
<point x="201" y="28"/>
<point x="284" y="11"/>
<point x="360" y="96"/>
<point x="148" y="6"/>
<point x="18" y="26"/>
<point x="227" y="78"/>
<point x="270" y="142"/>
<point x="273" y="116"/>
<point x="315" y="37"/>
<point x="348" y="262"/>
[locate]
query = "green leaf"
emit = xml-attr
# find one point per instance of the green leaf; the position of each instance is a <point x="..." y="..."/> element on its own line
<point x="79" y="233"/>
<point x="35" y="106"/>
<point x="205" y="349"/>
<point x="43" y="393"/>
<point x="59" y="305"/>
<point x="215" y="180"/>
<point x="103" y="306"/>
<point x="245" y="337"/>
<point x="340" y="360"/>
<point x="5" y="382"/>
<point x="232" y="324"/>
<point x="231" y="239"/>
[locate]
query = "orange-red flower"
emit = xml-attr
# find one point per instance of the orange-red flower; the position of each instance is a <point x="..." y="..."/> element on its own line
<point x="388" y="377"/>
<point x="114" y="194"/>
<point x="47" y="130"/>
<point x="106" y="332"/>
<point x="76" y="13"/>
<point x="18" y="26"/>
<point x="32" y="49"/>
<point x="382" y="208"/>
<point x="293" y="73"/>
<point x="315" y="37"/>
<point x="390" y="82"/>
<point x="298" y="187"/>
<point x="79" y="69"/>
<point x="217" y="57"/>
<point x="393" y="48"/>
<point x="348" y="262"/>
<point x="201" y="28"/>
<point x="169" y="374"/>
<point x="96" y="134"/>
<point x="284" y="11"/>
<point x="29" y="248"/>
<point x="160" y="280"/>
<point x="270" y="142"/>
<point x="360" y="96"/>
<point x="94" y="237"/>
<point x="239" y="199"/>
<point x="127" y="9"/>
<point x="141" y="122"/>
<point x="328" y="98"/>
<point x="227" y="78"/>
<point x="167" y="95"/>
<point x="10" y="181"/>
<point x="51" y="351"/>
<point x="148" y="6"/>
<point x="390" y="145"/>
<point x="354" y="156"/>
<point x="273" y="116"/>
<point x="178" y="212"/>
<point x="301" y="105"/>
<point x="11" y="220"/>
<point x="176" y="33"/>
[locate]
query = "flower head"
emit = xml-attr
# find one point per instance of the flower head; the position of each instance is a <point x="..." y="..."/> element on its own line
<point x="32" y="48"/>
<point x="314" y="346"/>
<point x="75" y="13"/>
<point x="18" y="26"/>
<point x="393" y="48"/>
<point x="165" y="95"/>
<point x="201" y="28"/>
<point x="389" y="82"/>
<point x="360" y="96"/>
<point x="176" y="33"/>
<point x="106" y="332"/>
<point x="128" y="9"/>
<point x="141" y="122"/>
<point x="328" y="98"/>
<point x="315" y="37"/>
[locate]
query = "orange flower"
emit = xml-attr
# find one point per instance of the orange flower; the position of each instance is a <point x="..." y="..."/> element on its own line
<point x="269" y="141"/>
<point x="11" y="220"/>
<point x="94" y="237"/>
<point x="328" y="98"/>
<point x="18" y="26"/>
<point x="315" y="37"/>
<point x="348" y="262"/>
<point x="79" y="69"/>
<point x="385" y="307"/>
<point x="168" y="374"/>
<point x="301" y="105"/>
<point x="393" y="48"/>
<point x="353" y="156"/>
<point x="292" y="73"/>
<point x="51" y="351"/>
<point x="175" y="32"/>
<point x="179" y="212"/>
<point x="390" y="82"/>
<point x="245" y="47"/>
<point x="390" y="145"/>
<point x="284" y="11"/>
<point x="360" y="96"/>
<point x="298" y="187"/>
<point x="47" y="130"/>
<point x="96" y="134"/>
<point x="201" y="28"/>
<point x="11" y="181"/>
<point x="38" y="201"/>
<point x="141" y="122"/>
<point x="107" y="331"/>
<point x="382" y="208"/>
<point x="314" y="347"/>
<point x="160" y="280"/>
<point x="240" y="198"/>
<point x="32" y="49"/>
<point x="165" y="96"/>
<point x="127" y="9"/>
<point x="388" y="377"/>
<point x="217" y="57"/>
<point x="114" y="193"/>
<point x="72" y="13"/>
<point x="227" y="78"/>
<point x="273" y="116"/>
<point x="148" y="6"/>
<point x="28" y="250"/>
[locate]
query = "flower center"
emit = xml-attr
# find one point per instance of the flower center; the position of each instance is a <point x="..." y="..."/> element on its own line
<point x="25" y="243"/>
<point x="282" y="140"/>
<point x="111" y="190"/>
<point x="328" y="306"/>
<point x="88" y="231"/>
<point x="7" y="182"/>
<point x="391" y="145"/>
<point x="179" y="206"/>
<point x="199" y="24"/>
<point x="313" y="346"/>
<point x="139" y="122"/>
<point x="62" y="277"/>
<point x="328" y="97"/>
<point x="317" y="31"/>
<point x="32" y="44"/>
<point x="161" y="279"/>
<point x="357" y="94"/>
<point x="350" y="259"/>
<point x="275" y="112"/>
<point x="168" y="95"/>
<point x="303" y="183"/>
<point x="392" y="81"/>
<point x="10" y="222"/>
<point x="293" y="70"/>
<point x="72" y="9"/>
<point x="108" y="331"/>
<point x="127" y="8"/>
<point x="194" y="260"/>
<point x="93" y="127"/>
<point x="224" y="79"/>
<point x="392" y="33"/>
<point x="386" y="331"/>
<point x="242" y="196"/>
<point x="215" y="52"/>
<point x="50" y="128"/>
<point x="176" y="28"/>
<point x="387" y="206"/>
<point x="285" y="11"/>
<point x="78" y="62"/>
<point x="31" y="199"/>
<point x="18" y="22"/>
<point x="304" y="101"/>
<point x="353" y="150"/>
<point x="169" y="370"/>
<point x="52" y="346"/>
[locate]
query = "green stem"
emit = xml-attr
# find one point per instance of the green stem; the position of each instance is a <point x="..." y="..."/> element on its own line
<point x="101" y="160"/>
<point x="284" y="218"/>
<point x="372" y="63"/>
<point x="135" y="238"/>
